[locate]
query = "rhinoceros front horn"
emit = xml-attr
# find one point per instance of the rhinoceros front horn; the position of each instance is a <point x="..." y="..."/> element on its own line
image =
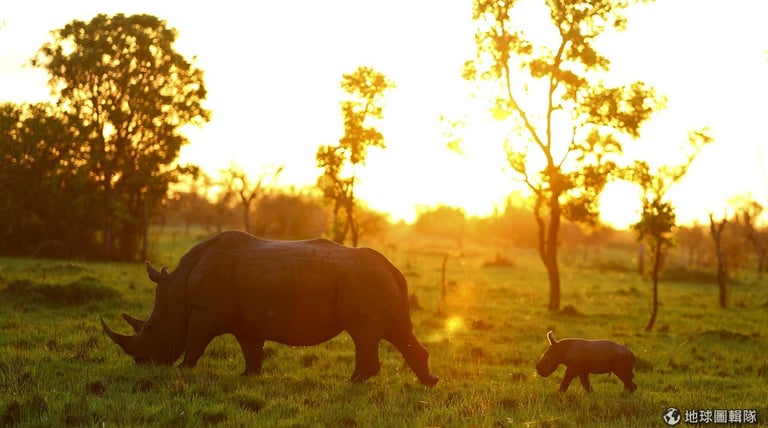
<point x="123" y="341"/>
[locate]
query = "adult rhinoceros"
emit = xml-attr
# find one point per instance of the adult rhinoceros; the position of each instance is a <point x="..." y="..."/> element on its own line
<point x="298" y="293"/>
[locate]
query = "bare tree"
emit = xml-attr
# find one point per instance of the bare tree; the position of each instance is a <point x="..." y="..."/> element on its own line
<point x="246" y="190"/>
<point x="747" y="215"/>
<point x="658" y="216"/>
<point x="716" y="230"/>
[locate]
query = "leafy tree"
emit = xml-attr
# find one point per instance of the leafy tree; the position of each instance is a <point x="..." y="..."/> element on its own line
<point x="126" y="94"/>
<point x="365" y="88"/>
<point x="657" y="220"/>
<point x="290" y="215"/>
<point x="442" y="220"/>
<point x="44" y="207"/>
<point x="556" y="99"/>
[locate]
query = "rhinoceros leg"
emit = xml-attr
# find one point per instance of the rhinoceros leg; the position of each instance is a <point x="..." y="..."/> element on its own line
<point x="366" y="357"/>
<point x="201" y="330"/>
<point x="253" y="352"/>
<point x="569" y="376"/>
<point x="624" y="371"/>
<point x="627" y="379"/>
<point x="415" y="354"/>
<point x="584" y="377"/>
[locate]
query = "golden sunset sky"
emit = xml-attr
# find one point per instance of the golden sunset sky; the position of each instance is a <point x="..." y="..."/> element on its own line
<point x="273" y="69"/>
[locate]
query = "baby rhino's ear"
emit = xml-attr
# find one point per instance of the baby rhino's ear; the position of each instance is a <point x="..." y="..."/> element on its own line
<point x="551" y="338"/>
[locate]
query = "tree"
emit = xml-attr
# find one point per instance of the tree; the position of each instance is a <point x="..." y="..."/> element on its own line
<point x="444" y="221"/>
<point x="290" y="215"/>
<point x="365" y="88"/>
<point x="657" y="220"/>
<point x="557" y="102"/>
<point x="126" y="94"/>
<point x="247" y="192"/>
<point x="716" y="230"/>
<point x="44" y="191"/>
<point x="692" y="238"/>
<point x="747" y="214"/>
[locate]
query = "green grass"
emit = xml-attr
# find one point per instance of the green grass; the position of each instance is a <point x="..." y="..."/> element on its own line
<point x="58" y="368"/>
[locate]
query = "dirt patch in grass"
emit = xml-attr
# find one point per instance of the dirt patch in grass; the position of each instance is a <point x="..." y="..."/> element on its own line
<point x="309" y="360"/>
<point x="213" y="416"/>
<point x="252" y="403"/>
<point x="726" y="335"/>
<point x="96" y="387"/>
<point x="84" y="290"/>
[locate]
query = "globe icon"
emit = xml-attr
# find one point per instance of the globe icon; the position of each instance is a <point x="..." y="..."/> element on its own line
<point x="671" y="416"/>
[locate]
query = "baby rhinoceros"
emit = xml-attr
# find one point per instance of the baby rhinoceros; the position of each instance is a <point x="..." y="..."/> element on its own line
<point x="582" y="357"/>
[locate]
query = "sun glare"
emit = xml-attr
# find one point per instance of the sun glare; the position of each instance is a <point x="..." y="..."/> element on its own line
<point x="454" y="324"/>
<point x="620" y="204"/>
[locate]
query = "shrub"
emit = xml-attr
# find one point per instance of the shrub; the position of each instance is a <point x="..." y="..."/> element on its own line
<point x="83" y="290"/>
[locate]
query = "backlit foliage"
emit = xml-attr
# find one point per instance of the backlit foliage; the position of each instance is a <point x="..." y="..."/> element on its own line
<point x="566" y="122"/>
<point x="365" y="88"/>
<point x="126" y="94"/>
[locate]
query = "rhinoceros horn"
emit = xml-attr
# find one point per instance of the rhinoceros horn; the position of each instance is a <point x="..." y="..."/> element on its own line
<point x="154" y="275"/>
<point x="136" y="323"/>
<point x="123" y="341"/>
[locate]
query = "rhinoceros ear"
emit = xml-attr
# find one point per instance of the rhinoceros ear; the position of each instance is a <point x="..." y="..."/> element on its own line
<point x="135" y="323"/>
<point x="123" y="341"/>
<point x="551" y="337"/>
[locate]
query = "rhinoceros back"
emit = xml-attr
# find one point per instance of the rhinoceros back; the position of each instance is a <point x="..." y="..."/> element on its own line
<point x="229" y="239"/>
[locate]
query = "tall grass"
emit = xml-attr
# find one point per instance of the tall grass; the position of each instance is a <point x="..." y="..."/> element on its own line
<point x="58" y="368"/>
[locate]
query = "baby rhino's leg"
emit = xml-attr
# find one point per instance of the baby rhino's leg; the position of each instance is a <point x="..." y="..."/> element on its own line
<point x="623" y="370"/>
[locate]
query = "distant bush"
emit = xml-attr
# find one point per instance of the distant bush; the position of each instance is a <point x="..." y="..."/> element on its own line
<point x="611" y="266"/>
<point x="500" y="261"/>
<point x="683" y="274"/>
<point x="80" y="291"/>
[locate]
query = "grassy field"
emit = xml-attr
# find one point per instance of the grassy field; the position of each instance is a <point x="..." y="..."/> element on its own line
<point x="57" y="367"/>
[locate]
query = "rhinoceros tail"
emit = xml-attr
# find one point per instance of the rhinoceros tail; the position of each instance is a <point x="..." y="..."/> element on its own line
<point x="401" y="283"/>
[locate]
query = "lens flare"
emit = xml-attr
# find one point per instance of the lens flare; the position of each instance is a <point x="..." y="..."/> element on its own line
<point x="454" y="324"/>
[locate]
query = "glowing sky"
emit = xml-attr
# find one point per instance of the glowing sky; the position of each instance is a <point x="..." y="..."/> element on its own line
<point x="273" y="69"/>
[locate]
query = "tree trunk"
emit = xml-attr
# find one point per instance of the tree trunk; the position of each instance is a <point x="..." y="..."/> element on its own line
<point x="551" y="253"/>
<point x="444" y="291"/>
<point x="548" y="247"/>
<point x="353" y="226"/>
<point x="655" y="276"/>
<point x="108" y="230"/>
<point x="716" y="230"/>
<point x="350" y="206"/>
<point x="145" y="231"/>
<point x="247" y="216"/>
